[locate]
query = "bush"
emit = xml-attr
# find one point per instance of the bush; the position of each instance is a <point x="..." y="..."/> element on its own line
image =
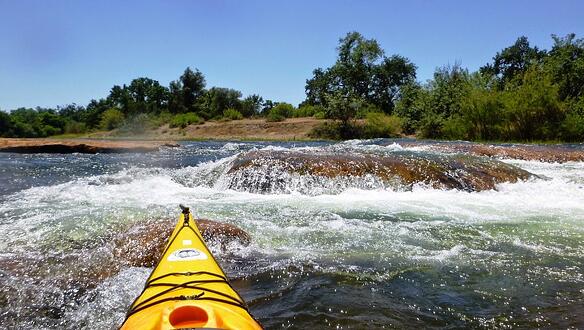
<point x="308" y="111"/>
<point x="75" y="127"/>
<point x="327" y="130"/>
<point x="573" y="127"/>
<point x="334" y="130"/>
<point x="282" y="109"/>
<point x="431" y="126"/>
<point x="185" y="119"/>
<point x="49" y="130"/>
<point x="320" y="115"/>
<point x="232" y="114"/>
<point x="381" y="125"/>
<point x="111" y="118"/>
<point x="456" y="128"/>
<point x="363" y="111"/>
<point x="274" y="116"/>
<point x="136" y="124"/>
<point x="161" y="119"/>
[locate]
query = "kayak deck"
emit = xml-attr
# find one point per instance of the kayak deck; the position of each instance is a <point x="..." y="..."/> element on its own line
<point x="188" y="289"/>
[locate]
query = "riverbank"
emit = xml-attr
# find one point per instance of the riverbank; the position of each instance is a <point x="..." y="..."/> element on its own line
<point x="90" y="146"/>
<point x="291" y="129"/>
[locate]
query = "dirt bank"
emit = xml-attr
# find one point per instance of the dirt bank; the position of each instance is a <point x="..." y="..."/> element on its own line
<point x="90" y="146"/>
<point x="245" y="129"/>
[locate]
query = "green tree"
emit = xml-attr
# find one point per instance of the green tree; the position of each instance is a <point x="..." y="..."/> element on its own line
<point x="449" y="88"/>
<point x="341" y="107"/>
<point x="362" y="71"/>
<point x="143" y="95"/>
<point x="388" y="79"/>
<point x="513" y="61"/>
<point x="251" y="105"/>
<point x="281" y="111"/>
<point x="533" y="109"/>
<point x="217" y="100"/>
<point x="94" y="111"/>
<point x="112" y="118"/>
<point x="566" y="64"/>
<point x="6" y="126"/>
<point x="413" y="103"/>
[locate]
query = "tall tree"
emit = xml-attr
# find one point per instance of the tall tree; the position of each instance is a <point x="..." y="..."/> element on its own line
<point x="566" y="63"/>
<point x="251" y="105"/>
<point x="513" y="61"/>
<point x="192" y="88"/>
<point x="218" y="99"/>
<point x="361" y="72"/>
<point x="147" y="95"/>
<point x="388" y="79"/>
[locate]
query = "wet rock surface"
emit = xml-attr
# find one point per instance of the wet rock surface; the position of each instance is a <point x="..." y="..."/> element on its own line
<point x="265" y="170"/>
<point x="142" y="246"/>
<point x="139" y="246"/>
<point x="48" y="283"/>
<point x="542" y="153"/>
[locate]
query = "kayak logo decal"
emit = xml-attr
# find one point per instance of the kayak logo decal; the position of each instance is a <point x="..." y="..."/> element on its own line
<point x="187" y="254"/>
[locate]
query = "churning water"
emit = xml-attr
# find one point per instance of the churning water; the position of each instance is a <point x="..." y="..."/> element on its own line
<point x="325" y="252"/>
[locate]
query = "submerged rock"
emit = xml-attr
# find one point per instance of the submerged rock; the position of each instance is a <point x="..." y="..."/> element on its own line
<point x="270" y="171"/>
<point x="142" y="246"/>
<point x="84" y="268"/>
<point x="46" y="285"/>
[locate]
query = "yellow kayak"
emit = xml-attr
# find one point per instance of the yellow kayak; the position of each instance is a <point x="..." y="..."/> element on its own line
<point x="188" y="289"/>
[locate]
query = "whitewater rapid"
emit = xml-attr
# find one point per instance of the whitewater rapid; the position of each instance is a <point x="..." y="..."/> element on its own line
<point x="515" y="243"/>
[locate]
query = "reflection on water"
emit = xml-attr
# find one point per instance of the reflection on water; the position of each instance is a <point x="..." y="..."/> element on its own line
<point x="355" y="257"/>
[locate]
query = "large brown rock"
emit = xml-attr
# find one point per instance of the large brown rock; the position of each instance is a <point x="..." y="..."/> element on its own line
<point x="260" y="170"/>
<point x="542" y="153"/>
<point x="143" y="245"/>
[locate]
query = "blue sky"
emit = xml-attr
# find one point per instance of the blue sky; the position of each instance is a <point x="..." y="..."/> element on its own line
<point x="58" y="52"/>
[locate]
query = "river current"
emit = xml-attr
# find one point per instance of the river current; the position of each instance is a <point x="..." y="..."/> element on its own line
<point x="343" y="254"/>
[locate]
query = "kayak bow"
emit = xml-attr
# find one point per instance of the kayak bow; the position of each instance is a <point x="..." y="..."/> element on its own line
<point x="188" y="288"/>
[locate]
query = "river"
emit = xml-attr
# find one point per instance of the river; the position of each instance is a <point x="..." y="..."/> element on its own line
<point x="342" y="254"/>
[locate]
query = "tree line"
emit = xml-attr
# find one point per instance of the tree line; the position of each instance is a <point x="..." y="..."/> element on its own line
<point x="142" y="104"/>
<point x="523" y="94"/>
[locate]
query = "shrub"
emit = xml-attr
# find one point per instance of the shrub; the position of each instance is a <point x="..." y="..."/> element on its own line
<point x="274" y="116"/>
<point x="161" y="119"/>
<point x="308" y="111"/>
<point x="136" y="124"/>
<point x="381" y="125"/>
<point x="185" y="119"/>
<point x="334" y="130"/>
<point x="456" y="128"/>
<point x="366" y="109"/>
<point x="327" y="130"/>
<point x="282" y="109"/>
<point x="320" y="115"/>
<point x="232" y="114"/>
<point x="573" y="127"/>
<point x="75" y="127"/>
<point x="111" y="118"/>
<point x="431" y="126"/>
<point x="49" y="130"/>
<point x="280" y="112"/>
